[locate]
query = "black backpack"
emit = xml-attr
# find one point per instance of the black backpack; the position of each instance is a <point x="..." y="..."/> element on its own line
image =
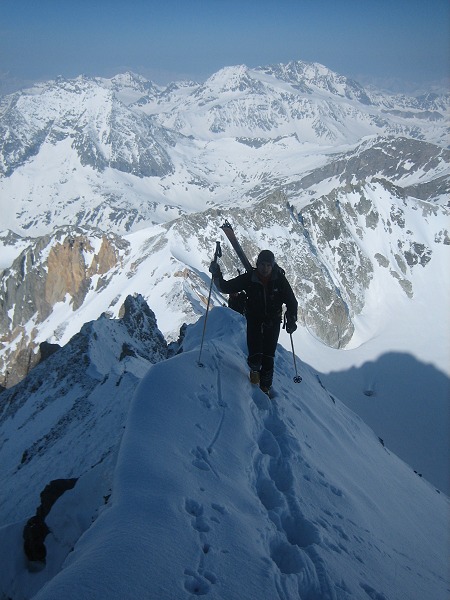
<point x="238" y="302"/>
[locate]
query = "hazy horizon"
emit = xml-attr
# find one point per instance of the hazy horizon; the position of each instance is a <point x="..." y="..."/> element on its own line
<point x="401" y="45"/>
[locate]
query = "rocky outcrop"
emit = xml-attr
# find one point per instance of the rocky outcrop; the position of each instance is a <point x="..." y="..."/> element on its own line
<point x="68" y="271"/>
<point x="53" y="410"/>
<point x="36" y="529"/>
<point x="46" y="349"/>
<point x="58" y="268"/>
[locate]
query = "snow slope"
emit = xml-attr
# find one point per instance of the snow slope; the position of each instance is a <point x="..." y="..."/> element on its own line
<point x="220" y="492"/>
<point x="395" y="374"/>
<point x="67" y="415"/>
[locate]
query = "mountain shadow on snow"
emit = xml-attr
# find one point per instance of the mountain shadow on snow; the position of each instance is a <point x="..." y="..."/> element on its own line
<point x="406" y="402"/>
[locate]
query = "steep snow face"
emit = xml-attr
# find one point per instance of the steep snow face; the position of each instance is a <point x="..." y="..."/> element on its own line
<point x="68" y="415"/>
<point x="220" y="491"/>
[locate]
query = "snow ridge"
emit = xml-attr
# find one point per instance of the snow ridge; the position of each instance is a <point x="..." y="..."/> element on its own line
<point x="219" y="491"/>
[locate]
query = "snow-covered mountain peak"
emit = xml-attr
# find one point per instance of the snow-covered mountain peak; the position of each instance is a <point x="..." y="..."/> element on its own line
<point x="131" y="88"/>
<point x="316" y="78"/>
<point x="130" y="80"/>
<point x="238" y="78"/>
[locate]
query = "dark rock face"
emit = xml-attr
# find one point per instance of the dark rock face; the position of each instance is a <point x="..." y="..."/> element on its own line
<point x="46" y="349"/>
<point x="34" y="534"/>
<point x="36" y="529"/>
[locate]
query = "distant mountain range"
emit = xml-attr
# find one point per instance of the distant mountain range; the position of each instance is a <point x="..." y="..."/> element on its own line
<point x="124" y="153"/>
<point x="112" y="187"/>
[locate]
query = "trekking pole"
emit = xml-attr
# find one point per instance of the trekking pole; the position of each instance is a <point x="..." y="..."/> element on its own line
<point x="297" y="377"/>
<point x="217" y="254"/>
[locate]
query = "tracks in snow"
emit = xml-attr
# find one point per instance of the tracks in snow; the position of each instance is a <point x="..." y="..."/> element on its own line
<point x="292" y="538"/>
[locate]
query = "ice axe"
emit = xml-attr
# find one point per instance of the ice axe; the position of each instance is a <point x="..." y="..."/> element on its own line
<point x="217" y="254"/>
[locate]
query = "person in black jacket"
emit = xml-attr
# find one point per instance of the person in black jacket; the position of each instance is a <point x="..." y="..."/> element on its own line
<point x="267" y="289"/>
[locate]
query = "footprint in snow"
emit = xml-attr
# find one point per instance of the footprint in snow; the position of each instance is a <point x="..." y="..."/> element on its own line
<point x="281" y="474"/>
<point x="204" y="399"/>
<point x="275" y="426"/>
<point x="219" y="508"/>
<point x="268" y="494"/>
<point x="289" y="559"/>
<point x="198" y="584"/>
<point x="268" y="444"/>
<point x="198" y="581"/>
<point x="196" y="511"/>
<point x="201" y="459"/>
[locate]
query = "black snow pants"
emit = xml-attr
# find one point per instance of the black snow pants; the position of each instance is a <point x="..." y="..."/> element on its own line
<point x="262" y="339"/>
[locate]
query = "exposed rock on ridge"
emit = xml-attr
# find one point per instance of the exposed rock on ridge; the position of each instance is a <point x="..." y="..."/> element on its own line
<point x="58" y="268"/>
<point x="66" y="394"/>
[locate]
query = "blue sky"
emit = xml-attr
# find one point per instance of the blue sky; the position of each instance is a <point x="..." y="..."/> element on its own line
<point x="167" y="40"/>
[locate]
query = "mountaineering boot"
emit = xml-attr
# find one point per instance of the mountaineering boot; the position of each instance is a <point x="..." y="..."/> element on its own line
<point x="254" y="377"/>
<point x="265" y="389"/>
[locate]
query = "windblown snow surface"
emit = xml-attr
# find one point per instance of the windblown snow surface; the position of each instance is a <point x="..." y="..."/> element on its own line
<point x="221" y="492"/>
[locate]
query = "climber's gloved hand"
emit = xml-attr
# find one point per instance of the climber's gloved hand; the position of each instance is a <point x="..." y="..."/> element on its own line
<point x="291" y="323"/>
<point x="214" y="269"/>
